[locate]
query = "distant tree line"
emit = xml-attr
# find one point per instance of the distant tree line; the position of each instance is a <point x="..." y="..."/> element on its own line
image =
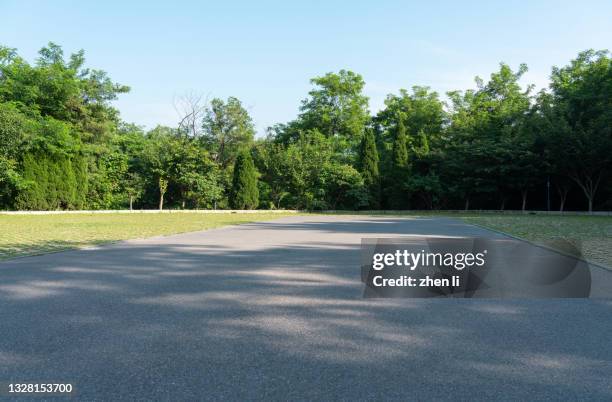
<point x="499" y="146"/>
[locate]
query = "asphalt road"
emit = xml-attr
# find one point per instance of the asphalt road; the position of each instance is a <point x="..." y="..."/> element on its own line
<point x="274" y="310"/>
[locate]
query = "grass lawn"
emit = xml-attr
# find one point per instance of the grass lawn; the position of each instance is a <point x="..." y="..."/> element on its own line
<point x="590" y="234"/>
<point x="36" y="234"/>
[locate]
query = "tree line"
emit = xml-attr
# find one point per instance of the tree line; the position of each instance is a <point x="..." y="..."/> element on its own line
<point x="499" y="146"/>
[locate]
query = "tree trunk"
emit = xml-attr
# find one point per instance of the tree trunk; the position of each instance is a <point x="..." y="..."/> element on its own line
<point x="467" y="204"/>
<point x="427" y="200"/>
<point x="589" y="185"/>
<point x="524" y="195"/>
<point x="562" y="190"/>
<point x="163" y="186"/>
<point x="335" y="203"/>
<point x="183" y="204"/>
<point x="562" y="204"/>
<point x="131" y="201"/>
<point x="503" y="204"/>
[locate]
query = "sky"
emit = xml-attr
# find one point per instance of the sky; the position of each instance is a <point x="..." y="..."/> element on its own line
<point x="266" y="52"/>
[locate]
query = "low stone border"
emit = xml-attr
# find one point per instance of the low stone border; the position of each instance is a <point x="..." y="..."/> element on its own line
<point x="470" y="211"/>
<point x="284" y="211"/>
<point x="154" y="211"/>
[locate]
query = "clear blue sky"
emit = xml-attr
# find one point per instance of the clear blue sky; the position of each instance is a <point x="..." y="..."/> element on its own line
<point x="265" y="52"/>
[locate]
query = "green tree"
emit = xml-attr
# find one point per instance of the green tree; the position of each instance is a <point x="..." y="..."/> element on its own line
<point x="227" y="128"/>
<point x="480" y="148"/>
<point x="343" y="186"/>
<point x="368" y="163"/>
<point x="582" y="93"/>
<point x="307" y="157"/>
<point x="548" y="121"/>
<point x="62" y="89"/>
<point x="158" y="159"/>
<point x="195" y="175"/>
<point x="274" y="163"/>
<point x="421" y="110"/>
<point x="400" y="151"/>
<point x="428" y="187"/>
<point x="133" y="185"/>
<point x="245" y="193"/>
<point x="337" y="109"/>
<point x="69" y="123"/>
<point x="397" y="179"/>
<point x="15" y="128"/>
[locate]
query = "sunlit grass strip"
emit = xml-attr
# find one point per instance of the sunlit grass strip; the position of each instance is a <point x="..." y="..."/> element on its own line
<point x="36" y="234"/>
<point x="591" y="234"/>
<point x="22" y="235"/>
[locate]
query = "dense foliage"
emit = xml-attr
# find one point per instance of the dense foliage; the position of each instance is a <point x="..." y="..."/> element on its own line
<point x="244" y="193"/>
<point x="64" y="146"/>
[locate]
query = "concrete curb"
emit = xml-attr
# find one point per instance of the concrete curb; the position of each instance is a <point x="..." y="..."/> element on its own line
<point x="154" y="211"/>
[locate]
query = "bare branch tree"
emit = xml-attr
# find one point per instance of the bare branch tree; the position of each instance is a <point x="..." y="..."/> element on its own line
<point x="190" y="109"/>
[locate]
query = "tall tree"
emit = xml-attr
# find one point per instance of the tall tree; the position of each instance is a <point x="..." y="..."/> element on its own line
<point x="158" y="159"/>
<point x="583" y="95"/>
<point x="368" y="163"/>
<point x="69" y="107"/>
<point x="191" y="108"/>
<point x="485" y="123"/>
<point x="274" y="164"/>
<point x="14" y="131"/>
<point x="422" y="111"/>
<point x="400" y="150"/>
<point x="227" y="129"/>
<point x="552" y="128"/>
<point x="244" y="193"/>
<point x="337" y="108"/>
<point x="396" y="186"/>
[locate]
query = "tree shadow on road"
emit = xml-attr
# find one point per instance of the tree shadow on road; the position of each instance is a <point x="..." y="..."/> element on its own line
<point x="185" y="320"/>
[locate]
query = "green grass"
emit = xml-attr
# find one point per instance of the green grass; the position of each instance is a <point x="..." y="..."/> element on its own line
<point x="36" y="234"/>
<point x="592" y="235"/>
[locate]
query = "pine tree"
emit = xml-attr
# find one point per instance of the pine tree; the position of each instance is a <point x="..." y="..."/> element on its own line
<point x="424" y="150"/>
<point x="244" y="194"/>
<point x="31" y="195"/>
<point x="79" y="164"/>
<point x="400" y="152"/>
<point x="368" y="161"/>
<point x="66" y="186"/>
<point x="399" y="168"/>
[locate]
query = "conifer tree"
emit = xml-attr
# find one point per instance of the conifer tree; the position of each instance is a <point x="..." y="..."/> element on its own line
<point x="244" y="194"/>
<point x="398" y="197"/>
<point x="424" y="143"/>
<point x="368" y="161"/>
<point x="400" y="152"/>
<point x="79" y="164"/>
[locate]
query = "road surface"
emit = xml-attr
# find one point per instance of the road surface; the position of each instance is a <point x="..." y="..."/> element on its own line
<point x="274" y="310"/>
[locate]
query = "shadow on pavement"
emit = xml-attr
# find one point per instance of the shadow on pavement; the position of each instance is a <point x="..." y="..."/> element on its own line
<point x="237" y="314"/>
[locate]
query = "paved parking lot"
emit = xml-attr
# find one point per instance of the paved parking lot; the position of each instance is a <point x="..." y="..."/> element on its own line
<point x="274" y="310"/>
